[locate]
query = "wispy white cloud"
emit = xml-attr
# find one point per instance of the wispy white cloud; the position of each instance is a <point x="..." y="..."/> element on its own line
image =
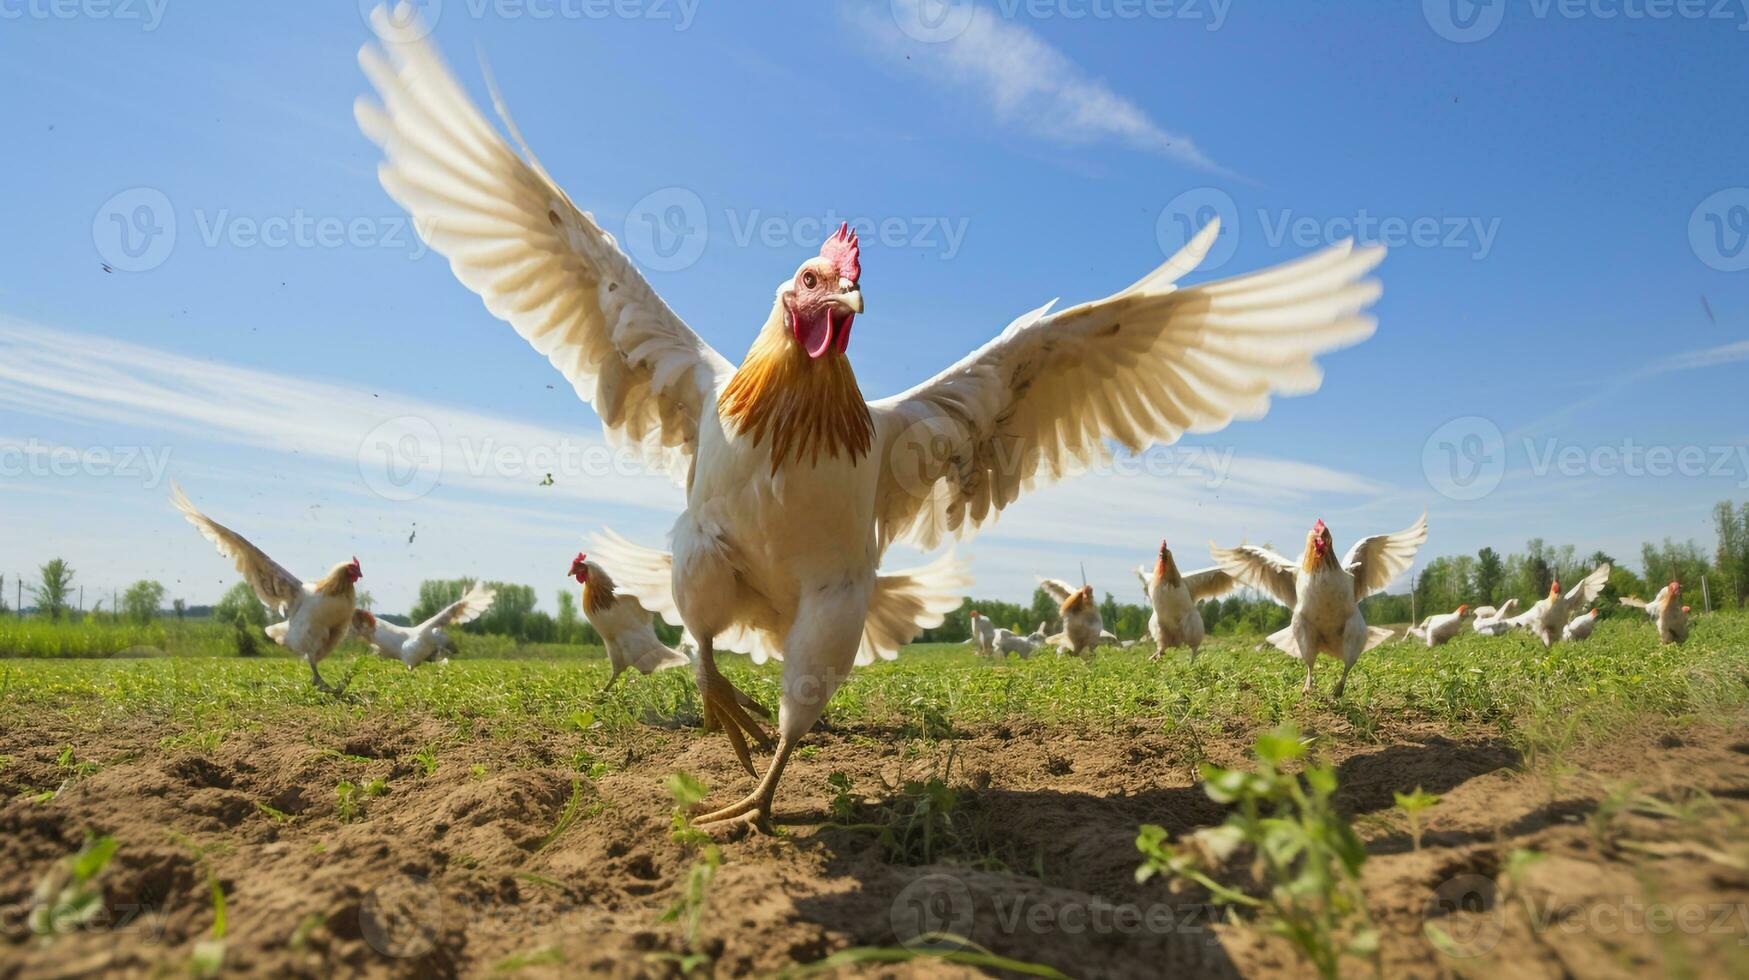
<point x="1704" y="358"/>
<point x="1024" y="81"/>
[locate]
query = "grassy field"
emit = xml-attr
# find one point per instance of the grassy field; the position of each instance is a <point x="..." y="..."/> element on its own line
<point x="513" y="793"/>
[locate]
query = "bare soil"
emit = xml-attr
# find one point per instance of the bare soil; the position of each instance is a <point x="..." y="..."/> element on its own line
<point x="457" y="872"/>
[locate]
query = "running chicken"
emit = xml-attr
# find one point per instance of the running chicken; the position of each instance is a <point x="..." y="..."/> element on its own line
<point x="1176" y="622"/>
<point x="1667" y="612"/>
<point x="1437" y="630"/>
<point x="1083" y="627"/>
<point x="430" y="640"/>
<point x="315" y="616"/>
<point x="1549" y="616"/>
<point x="626" y="628"/>
<point x="1325" y="596"/>
<point x="983" y="632"/>
<point x="1581" y="626"/>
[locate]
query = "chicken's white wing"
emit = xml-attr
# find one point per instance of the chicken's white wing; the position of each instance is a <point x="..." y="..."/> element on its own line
<point x="273" y="585"/>
<point x="1582" y="595"/>
<point x="1058" y="589"/>
<point x="539" y="262"/>
<point x="1138" y="368"/>
<point x="468" y="608"/>
<point x="1261" y="569"/>
<point x="1376" y="560"/>
<point x="1209" y="583"/>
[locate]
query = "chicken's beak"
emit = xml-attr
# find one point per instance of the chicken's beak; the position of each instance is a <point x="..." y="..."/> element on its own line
<point x="849" y="296"/>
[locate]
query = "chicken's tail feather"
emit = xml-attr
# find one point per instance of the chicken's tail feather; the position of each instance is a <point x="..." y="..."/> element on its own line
<point x="910" y="601"/>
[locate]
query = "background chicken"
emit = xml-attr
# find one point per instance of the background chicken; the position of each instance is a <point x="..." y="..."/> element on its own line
<point x="983" y="632"/>
<point x="1548" y="618"/>
<point x="1007" y="641"/>
<point x="315" y="616"/>
<point x="795" y="485"/>
<point x="1176" y="622"/>
<point x="1667" y="612"/>
<point x="1581" y="626"/>
<point x="1325" y="596"/>
<point x="1436" y="630"/>
<point x="627" y="629"/>
<point x="1083" y="627"/>
<point x="413" y="645"/>
<point x="1490" y="621"/>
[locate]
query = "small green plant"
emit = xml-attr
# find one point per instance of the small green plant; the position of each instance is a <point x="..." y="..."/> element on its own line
<point x="843" y="803"/>
<point x="1412" y="804"/>
<point x="477" y="772"/>
<point x="71" y="895"/>
<point x="689" y="908"/>
<point x="346" y="801"/>
<point x="208" y="958"/>
<point x="923" y="821"/>
<point x="548" y="956"/>
<point x="72" y="765"/>
<point x="376" y="787"/>
<point x="275" y="815"/>
<point x="567" y="816"/>
<point x="1306" y="856"/>
<point x="426" y="760"/>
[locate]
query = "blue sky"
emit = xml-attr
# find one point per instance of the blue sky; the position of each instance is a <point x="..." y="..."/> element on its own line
<point x="1563" y="185"/>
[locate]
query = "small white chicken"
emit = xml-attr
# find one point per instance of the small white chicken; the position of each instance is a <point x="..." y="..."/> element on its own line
<point x="1008" y="641"/>
<point x="1325" y="596"/>
<point x="315" y="616"/>
<point x="1490" y="621"/>
<point x="983" y="632"/>
<point x="626" y="627"/>
<point x="1549" y="616"/>
<point x="1437" y="630"/>
<point x="414" y="645"/>
<point x="1176" y="622"/>
<point x="1581" y="626"/>
<point x="1083" y="628"/>
<point x="1666" y="611"/>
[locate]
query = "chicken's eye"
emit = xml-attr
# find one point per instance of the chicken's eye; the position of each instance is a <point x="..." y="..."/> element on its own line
<point x="810" y="280"/>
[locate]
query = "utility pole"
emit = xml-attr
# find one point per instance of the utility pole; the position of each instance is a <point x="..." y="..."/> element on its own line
<point x="1705" y="595"/>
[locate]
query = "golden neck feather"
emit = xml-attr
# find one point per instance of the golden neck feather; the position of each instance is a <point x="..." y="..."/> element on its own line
<point x="799" y="406"/>
<point x="337" y="584"/>
<point x="598" y="592"/>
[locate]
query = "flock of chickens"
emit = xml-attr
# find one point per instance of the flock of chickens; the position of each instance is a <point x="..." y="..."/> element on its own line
<point x="795" y="484"/>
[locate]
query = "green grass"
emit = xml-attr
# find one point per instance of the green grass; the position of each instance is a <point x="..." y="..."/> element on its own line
<point x="933" y="689"/>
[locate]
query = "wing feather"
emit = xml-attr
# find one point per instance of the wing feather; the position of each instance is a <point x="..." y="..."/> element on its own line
<point x="273" y="585"/>
<point x="1260" y="569"/>
<point x="1055" y="391"/>
<point x="1376" y="560"/>
<point x="536" y="260"/>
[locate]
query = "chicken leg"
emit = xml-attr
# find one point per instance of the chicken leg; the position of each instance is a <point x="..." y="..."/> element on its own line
<point x="726" y="706"/>
<point x="754" y="810"/>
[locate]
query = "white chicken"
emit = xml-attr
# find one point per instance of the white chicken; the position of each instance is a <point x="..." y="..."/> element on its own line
<point x="413" y="645"/>
<point x="1176" y="622"/>
<point x="1324" y="595"/>
<point x="1083" y="627"/>
<point x="983" y="632"/>
<point x="1437" y="630"/>
<point x="1667" y="612"/>
<point x="1580" y="627"/>
<point x="316" y="616"/>
<point x="795" y="485"/>
<point x="1490" y="621"/>
<point x="1007" y="641"/>
<point x="1549" y="616"/>
<point x="627" y="629"/>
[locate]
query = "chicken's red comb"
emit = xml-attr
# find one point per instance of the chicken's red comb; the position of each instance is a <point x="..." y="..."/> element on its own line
<point x="355" y="563"/>
<point x="1319" y="527"/>
<point x="844" y="252"/>
<point x="581" y="557"/>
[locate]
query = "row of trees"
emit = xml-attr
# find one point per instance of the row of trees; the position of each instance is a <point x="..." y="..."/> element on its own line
<point x="55" y="590"/>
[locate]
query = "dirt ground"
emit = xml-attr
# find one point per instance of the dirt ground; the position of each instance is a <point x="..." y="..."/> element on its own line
<point x="446" y="873"/>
